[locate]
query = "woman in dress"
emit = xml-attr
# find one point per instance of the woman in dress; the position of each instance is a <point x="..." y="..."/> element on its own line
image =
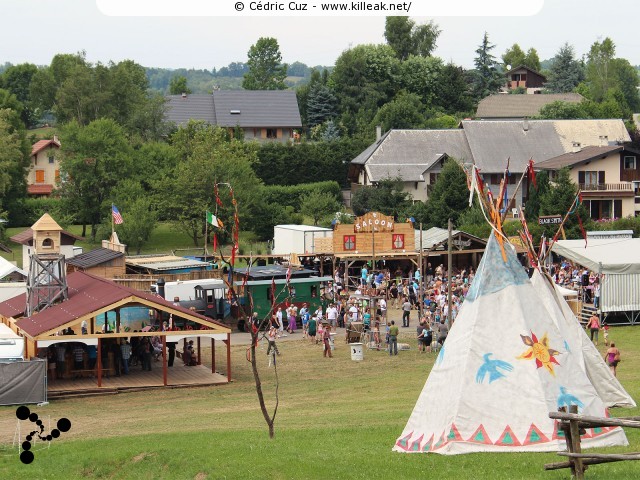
<point x="292" y="320"/>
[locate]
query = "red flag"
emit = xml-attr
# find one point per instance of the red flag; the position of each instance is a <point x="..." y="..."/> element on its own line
<point x="273" y="292"/>
<point x="532" y="173"/>
<point x="218" y="201"/>
<point x="215" y="243"/>
<point x="584" y="234"/>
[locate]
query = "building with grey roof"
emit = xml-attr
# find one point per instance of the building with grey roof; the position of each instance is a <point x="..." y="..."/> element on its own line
<point x="261" y="114"/>
<point x="416" y="156"/>
<point x="518" y="107"/>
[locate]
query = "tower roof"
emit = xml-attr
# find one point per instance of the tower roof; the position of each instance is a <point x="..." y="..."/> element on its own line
<point x="46" y="223"/>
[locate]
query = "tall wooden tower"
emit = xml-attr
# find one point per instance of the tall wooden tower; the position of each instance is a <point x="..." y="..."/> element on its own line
<point x="47" y="281"/>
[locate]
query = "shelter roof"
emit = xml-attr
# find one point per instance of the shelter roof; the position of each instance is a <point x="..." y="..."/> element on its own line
<point x="42" y="144"/>
<point x="7" y="268"/>
<point x="435" y="236"/>
<point x="256" y="108"/>
<point x="616" y="255"/>
<point x="520" y="106"/>
<point x="26" y="237"/>
<point x="282" y="281"/>
<point x="584" y="155"/>
<point x="88" y="296"/>
<point x="181" y="109"/>
<point x="275" y="271"/>
<point x="164" y="262"/>
<point x="40" y="189"/>
<point x="94" y="257"/>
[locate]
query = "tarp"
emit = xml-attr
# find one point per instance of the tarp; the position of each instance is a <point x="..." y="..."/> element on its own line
<point x="23" y="382"/>
<point x="620" y="258"/>
<point x="617" y="255"/>
<point x="504" y="366"/>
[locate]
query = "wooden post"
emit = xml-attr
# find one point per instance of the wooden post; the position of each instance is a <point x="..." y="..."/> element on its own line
<point x="578" y="467"/>
<point x="93" y="323"/>
<point x="228" y="342"/>
<point x="199" y="358"/>
<point x="449" y="274"/>
<point x="117" y="320"/>
<point x="99" y="359"/>
<point x="213" y="355"/>
<point x="420" y="290"/>
<point x="164" y="359"/>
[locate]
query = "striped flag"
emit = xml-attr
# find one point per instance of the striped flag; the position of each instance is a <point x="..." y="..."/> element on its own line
<point x="117" y="218"/>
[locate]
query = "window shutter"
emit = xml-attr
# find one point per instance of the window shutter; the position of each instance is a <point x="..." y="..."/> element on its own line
<point x="601" y="177"/>
<point x="581" y="178"/>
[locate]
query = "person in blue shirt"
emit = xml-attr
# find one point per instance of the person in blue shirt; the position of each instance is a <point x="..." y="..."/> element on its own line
<point x="363" y="275"/>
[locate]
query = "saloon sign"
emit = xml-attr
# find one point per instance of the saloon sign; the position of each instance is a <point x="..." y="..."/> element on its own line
<point x="373" y="220"/>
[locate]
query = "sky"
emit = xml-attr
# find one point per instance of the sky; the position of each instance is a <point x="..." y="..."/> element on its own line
<point x="35" y="30"/>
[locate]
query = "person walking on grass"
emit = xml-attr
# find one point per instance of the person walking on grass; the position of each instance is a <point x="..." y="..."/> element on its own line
<point x="326" y="335"/>
<point x="393" y="339"/>
<point x="273" y="334"/>
<point x="406" y="312"/>
<point x="594" y="326"/>
<point x="612" y="358"/>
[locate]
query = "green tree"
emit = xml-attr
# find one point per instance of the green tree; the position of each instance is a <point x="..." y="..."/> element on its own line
<point x="321" y="105"/>
<point x="387" y="196"/>
<point x="513" y="57"/>
<point x="453" y="94"/>
<point x="266" y="70"/>
<point x="532" y="210"/>
<point x="17" y="80"/>
<point x="318" y="206"/>
<point x="207" y="156"/>
<point x="627" y="82"/>
<point x="562" y="110"/>
<point x="486" y="78"/>
<point x="532" y="60"/>
<point x="178" y="85"/>
<point x="95" y="159"/>
<point x="450" y="196"/>
<point x="599" y="72"/>
<point x="403" y="112"/>
<point x="138" y="212"/>
<point x="558" y="200"/>
<point x="406" y="38"/>
<point x="422" y="75"/>
<point x="566" y="72"/>
<point x="13" y="160"/>
<point x="127" y="89"/>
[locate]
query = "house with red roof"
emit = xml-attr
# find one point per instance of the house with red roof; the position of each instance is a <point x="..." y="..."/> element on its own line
<point x="44" y="169"/>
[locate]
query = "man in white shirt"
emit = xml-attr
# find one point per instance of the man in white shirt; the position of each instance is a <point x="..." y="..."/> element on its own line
<point x="332" y="316"/>
<point x="382" y="304"/>
<point x="280" y="322"/>
<point x="353" y="311"/>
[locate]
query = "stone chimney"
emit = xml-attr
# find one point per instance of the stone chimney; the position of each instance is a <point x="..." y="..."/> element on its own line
<point x="378" y="132"/>
<point x="604" y="140"/>
<point x="184" y="94"/>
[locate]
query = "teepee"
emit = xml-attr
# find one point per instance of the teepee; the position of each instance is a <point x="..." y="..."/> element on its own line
<point x="608" y="388"/>
<point x="502" y="369"/>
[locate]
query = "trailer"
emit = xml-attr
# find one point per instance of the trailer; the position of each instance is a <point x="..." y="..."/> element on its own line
<point x="298" y="239"/>
<point x="11" y="345"/>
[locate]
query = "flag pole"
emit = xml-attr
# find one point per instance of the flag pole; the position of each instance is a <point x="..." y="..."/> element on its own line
<point x="206" y="234"/>
<point x="113" y="226"/>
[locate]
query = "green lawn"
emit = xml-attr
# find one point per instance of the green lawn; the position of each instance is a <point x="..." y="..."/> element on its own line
<point x="338" y="419"/>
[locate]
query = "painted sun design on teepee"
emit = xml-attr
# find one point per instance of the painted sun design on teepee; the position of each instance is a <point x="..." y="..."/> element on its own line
<point x="540" y="351"/>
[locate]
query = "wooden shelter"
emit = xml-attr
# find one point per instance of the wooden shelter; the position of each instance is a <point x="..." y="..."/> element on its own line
<point x="104" y="306"/>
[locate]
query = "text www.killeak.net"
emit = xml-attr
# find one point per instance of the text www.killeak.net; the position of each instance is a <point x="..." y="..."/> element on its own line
<point x="366" y="7"/>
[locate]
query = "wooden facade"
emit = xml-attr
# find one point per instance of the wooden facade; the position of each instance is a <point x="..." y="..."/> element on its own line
<point x="524" y="77"/>
<point x="374" y="234"/>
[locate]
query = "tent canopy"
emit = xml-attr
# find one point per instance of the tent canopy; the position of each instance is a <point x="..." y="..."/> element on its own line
<point x="617" y="256"/>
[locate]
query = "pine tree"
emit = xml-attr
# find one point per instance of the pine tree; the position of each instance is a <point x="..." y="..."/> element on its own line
<point x="450" y="196"/>
<point x="321" y="105"/>
<point x="566" y="72"/>
<point x="487" y="78"/>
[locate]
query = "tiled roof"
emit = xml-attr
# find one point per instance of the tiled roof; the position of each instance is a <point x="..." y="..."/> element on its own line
<point x="40" y="189"/>
<point x="571" y="158"/>
<point x="520" y="106"/>
<point x="87" y="294"/>
<point x="94" y="258"/>
<point x="229" y="108"/>
<point x="42" y="144"/>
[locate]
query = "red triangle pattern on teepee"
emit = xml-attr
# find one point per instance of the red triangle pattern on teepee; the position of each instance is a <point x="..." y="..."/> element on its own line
<point x="454" y="434"/>
<point x="480" y="436"/>
<point x="440" y="443"/>
<point x="558" y="434"/>
<point x="508" y="439"/>
<point x="534" y="435"/>
<point x="415" y="445"/>
<point x="427" y="446"/>
<point x="403" y="443"/>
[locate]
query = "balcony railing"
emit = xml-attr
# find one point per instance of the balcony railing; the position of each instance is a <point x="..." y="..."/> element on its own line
<point x="606" y="187"/>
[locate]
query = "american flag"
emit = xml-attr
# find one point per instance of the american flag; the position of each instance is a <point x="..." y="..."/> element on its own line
<point x="117" y="218"/>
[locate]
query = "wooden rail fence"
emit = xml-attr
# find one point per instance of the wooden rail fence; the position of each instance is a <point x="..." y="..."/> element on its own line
<point x="573" y="425"/>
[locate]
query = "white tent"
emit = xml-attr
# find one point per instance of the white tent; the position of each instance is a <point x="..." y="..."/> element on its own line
<point x="503" y="368"/>
<point x="619" y="260"/>
<point x="608" y="388"/>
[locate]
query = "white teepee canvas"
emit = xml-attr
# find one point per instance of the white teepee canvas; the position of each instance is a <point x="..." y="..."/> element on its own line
<point x="608" y="388"/>
<point x="502" y="369"/>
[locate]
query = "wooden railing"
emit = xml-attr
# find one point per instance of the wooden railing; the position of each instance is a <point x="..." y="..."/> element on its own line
<point x="606" y="187"/>
<point x="573" y="425"/>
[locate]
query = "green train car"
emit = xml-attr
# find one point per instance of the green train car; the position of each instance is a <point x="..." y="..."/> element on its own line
<point x="303" y="287"/>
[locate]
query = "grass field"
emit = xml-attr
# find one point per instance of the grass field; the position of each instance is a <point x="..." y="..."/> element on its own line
<point x="338" y="419"/>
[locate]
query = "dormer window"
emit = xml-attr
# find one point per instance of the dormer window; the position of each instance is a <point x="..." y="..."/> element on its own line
<point x="234" y="112"/>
